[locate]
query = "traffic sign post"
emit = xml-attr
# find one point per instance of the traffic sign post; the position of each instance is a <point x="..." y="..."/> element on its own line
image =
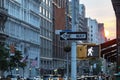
<point x="73" y="35"/>
<point x="73" y="51"/>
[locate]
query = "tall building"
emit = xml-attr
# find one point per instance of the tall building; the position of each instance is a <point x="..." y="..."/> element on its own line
<point x="80" y="19"/>
<point x="76" y="16"/>
<point x="101" y="31"/>
<point x="23" y="28"/>
<point x="46" y="36"/>
<point x="59" y="24"/>
<point x="82" y="27"/>
<point x="93" y="30"/>
<point x="82" y="10"/>
<point x="62" y="21"/>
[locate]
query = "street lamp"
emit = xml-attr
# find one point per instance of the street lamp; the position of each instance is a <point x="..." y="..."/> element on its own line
<point x="17" y="69"/>
<point x="67" y="49"/>
<point x="17" y="73"/>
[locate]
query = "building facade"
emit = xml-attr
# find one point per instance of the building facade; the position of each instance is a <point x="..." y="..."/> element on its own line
<point x="93" y="30"/>
<point x="101" y="31"/>
<point x="46" y="36"/>
<point x="59" y="23"/>
<point x="76" y="16"/>
<point x="82" y="27"/>
<point x="3" y="19"/>
<point x="23" y="28"/>
<point x="96" y="32"/>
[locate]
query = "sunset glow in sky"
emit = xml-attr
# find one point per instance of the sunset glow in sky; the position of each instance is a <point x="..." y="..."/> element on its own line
<point x="106" y="33"/>
<point x="102" y="11"/>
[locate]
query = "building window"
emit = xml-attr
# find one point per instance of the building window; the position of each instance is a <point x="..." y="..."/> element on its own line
<point x="40" y="9"/>
<point x="49" y="15"/>
<point x="91" y="26"/>
<point x="91" y="40"/>
<point x="47" y="1"/>
<point x="43" y="11"/>
<point x="91" y="35"/>
<point x="43" y="0"/>
<point x="91" y="31"/>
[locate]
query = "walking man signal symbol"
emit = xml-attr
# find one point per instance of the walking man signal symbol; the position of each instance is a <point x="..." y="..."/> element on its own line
<point x="90" y="51"/>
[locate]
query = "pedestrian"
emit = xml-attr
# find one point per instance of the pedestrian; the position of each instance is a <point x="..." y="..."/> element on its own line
<point x="18" y="77"/>
<point x="27" y="79"/>
<point x="100" y="78"/>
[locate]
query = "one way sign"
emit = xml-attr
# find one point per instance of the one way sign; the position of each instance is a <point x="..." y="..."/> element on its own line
<point x="73" y="35"/>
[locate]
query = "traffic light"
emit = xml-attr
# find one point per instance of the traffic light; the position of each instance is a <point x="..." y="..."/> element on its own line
<point x="81" y="51"/>
<point x="93" y="51"/>
<point x="87" y="50"/>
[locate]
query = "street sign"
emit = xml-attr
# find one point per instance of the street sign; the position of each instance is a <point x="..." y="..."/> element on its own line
<point x="73" y="35"/>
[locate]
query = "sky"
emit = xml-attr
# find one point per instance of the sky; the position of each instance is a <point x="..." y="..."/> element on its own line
<point x="102" y="11"/>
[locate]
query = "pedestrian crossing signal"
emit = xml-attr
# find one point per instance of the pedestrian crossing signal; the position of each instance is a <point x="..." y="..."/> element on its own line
<point x="93" y="51"/>
<point x="87" y="51"/>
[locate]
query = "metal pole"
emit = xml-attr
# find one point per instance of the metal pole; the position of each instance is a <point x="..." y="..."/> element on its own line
<point x="67" y="68"/>
<point x="67" y="28"/>
<point x="73" y="60"/>
<point x="73" y="54"/>
<point x="67" y="12"/>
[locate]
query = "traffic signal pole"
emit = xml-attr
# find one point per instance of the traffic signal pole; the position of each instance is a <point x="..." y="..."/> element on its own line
<point x="73" y="52"/>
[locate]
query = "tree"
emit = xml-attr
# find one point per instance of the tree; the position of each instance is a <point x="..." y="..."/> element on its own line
<point x="98" y="63"/>
<point x="4" y="55"/>
<point x="8" y="62"/>
<point x="15" y="61"/>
